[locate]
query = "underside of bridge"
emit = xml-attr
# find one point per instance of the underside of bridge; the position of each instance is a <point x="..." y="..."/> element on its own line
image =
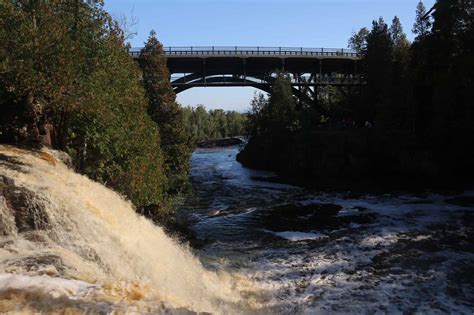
<point x="306" y="74"/>
<point x="308" y="69"/>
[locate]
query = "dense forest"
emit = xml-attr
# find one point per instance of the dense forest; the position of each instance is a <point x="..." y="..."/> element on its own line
<point x="411" y="123"/>
<point x="202" y="124"/>
<point x="68" y="82"/>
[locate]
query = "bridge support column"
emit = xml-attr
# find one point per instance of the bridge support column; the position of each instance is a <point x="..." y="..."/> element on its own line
<point x="244" y="61"/>
<point x="320" y="68"/>
<point x="297" y="78"/>
<point x="315" y="97"/>
<point x="204" y="71"/>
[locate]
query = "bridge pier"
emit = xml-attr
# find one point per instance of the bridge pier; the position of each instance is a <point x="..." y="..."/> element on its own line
<point x="315" y="97"/>
<point x="204" y="70"/>
<point x="244" y="62"/>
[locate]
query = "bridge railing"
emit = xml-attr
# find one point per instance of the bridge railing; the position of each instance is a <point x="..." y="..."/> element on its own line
<point x="258" y="51"/>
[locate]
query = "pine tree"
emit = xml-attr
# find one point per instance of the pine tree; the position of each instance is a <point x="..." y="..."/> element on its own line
<point x="396" y="32"/>
<point x="401" y="45"/>
<point x="165" y="112"/>
<point x="422" y="24"/>
<point x="156" y="75"/>
<point x="379" y="65"/>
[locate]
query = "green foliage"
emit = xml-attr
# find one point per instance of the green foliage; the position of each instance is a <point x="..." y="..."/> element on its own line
<point x="418" y="96"/>
<point x="422" y="24"/>
<point x="378" y="61"/>
<point x="257" y="115"/>
<point x="65" y="65"/>
<point x="278" y="114"/>
<point x="444" y="68"/>
<point x="168" y="115"/>
<point x="281" y="105"/>
<point x="202" y="125"/>
<point x="401" y="45"/>
<point x="358" y="41"/>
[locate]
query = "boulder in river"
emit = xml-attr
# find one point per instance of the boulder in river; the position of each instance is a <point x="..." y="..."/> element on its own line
<point x="318" y="216"/>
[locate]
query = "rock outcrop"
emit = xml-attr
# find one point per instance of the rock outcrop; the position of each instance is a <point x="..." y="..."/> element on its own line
<point x="20" y="211"/>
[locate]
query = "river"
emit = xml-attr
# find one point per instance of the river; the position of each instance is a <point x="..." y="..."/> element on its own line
<point x="311" y="252"/>
<point x="71" y="245"/>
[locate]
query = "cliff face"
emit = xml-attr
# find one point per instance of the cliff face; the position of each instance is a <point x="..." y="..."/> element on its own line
<point x="346" y="159"/>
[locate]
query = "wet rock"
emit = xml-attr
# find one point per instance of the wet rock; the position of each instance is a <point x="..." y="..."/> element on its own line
<point x="174" y="226"/>
<point x="20" y="202"/>
<point x="63" y="157"/>
<point x="296" y="217"/>
<point x="219" y="143"/>
<point x="312" y="217"/>
<point x="10" y="163"/>
<point x="462" y="201"/>
<point x="50" y="265"/>
<point x="35" y="237"/>
<point x="419" y="202"/>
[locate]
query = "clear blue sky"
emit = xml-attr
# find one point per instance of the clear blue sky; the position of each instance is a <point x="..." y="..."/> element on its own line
<point x="307" y="23"/>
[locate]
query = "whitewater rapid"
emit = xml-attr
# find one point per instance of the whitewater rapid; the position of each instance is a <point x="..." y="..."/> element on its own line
<point x="334" y="252"/>
<point x="70" y="245"/>
<point x="94" y="252"/>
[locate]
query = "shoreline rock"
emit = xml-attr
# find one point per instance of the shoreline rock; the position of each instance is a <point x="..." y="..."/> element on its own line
<point x="220" y="143"/>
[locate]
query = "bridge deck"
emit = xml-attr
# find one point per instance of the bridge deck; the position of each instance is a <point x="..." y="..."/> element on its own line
<point x="255" y="52"/>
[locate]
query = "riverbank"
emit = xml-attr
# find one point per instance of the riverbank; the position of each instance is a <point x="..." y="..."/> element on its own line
<point x="361" y="160"/>
<point x="220" y="143"/>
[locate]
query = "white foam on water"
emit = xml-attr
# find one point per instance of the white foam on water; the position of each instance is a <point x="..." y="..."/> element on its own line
<point x="100" y="242"/>
<point x="111" y="259"/>
<point x="296" y="236"/>
<point x="52" y="286"/>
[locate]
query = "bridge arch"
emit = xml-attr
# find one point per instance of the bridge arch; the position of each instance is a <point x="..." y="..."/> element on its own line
<point x="225" y="80"/>
<point x="252" y="66"/>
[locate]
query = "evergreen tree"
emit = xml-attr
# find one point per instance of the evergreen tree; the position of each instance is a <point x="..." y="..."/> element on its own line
<point x="378" y="61"/>
<point x="452" y="64"/>
<point x="401" y="47"/>
<point x="399" y="37"/>
<point x="165" y="112"/>
<point x="66" y="73"/>
<point x="156" y="76"/>
<point x="400" y="84"/>
<point x="422" y="24"/>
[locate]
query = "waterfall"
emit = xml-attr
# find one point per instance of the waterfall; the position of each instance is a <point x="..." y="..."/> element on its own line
<point x="89" y="249"/>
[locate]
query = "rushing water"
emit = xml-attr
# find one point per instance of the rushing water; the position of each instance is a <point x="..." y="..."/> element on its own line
<point x="309" y="252"/>
<point x="87" y="249"/>
<point x="70" y="245"/>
